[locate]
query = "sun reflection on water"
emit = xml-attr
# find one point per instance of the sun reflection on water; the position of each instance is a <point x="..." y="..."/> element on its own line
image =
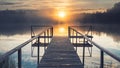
<point x="61" y="30"/>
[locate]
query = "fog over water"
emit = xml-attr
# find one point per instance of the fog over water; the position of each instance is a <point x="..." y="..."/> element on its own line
<point x="15" y="29"/>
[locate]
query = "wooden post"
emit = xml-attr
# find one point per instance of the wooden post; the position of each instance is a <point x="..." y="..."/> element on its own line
<point x="38" y="50"/>
<point x="73" y="35"/>
<point x="69" y="32"/>
<point x="19" y="58"/>
<point x="76" y="37"/>
<point x="52" y="31"/>
<point x="45" y="39"/>
<point x="76" y="41"/>
<point x="102" y="59"/>
<point x="91" y="52"/>
<point x="84" y="52"/>
<point x="48" y="36"/>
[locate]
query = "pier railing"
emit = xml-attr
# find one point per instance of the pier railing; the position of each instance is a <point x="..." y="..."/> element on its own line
<point x="102" y="50"/>
<point x="19" y="47"/>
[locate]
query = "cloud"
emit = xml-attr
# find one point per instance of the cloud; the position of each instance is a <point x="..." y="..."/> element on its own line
<point x="8" y="3"/>
<point x="40" y="4"/>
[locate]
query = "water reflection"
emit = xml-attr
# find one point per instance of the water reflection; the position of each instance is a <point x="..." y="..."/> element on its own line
<point x="111" y="30"/>
<point x="9" y="42"/>
<point x="105" y="35"/>
<point x="61" y="30"/>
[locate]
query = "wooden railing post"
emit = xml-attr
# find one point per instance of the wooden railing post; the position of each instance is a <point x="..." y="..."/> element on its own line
<point x="103" y="50"/>
<point x="19" y="49"/>
<point x="52" y="31"/>
<point x="102" y="59"/>
<point x="38" y="50"/>
<point x="19" y="58"/>
<point x="84" y="52"/>
<point x="76" y="37"/>
<point x="45" y="39"/>
<point x="72" y="35"/>
<point x="68" y="31"/>
<point x="76" y="40"/>
<point x="48" y="36"/>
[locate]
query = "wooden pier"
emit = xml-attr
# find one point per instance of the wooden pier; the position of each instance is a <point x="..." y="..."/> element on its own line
<point x="60" y="54"/>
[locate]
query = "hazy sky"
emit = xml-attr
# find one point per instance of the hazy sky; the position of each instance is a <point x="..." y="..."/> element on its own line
<point x="67" y="5"/>
<point x="46" y="6"/>
<point x="38" y="4"/>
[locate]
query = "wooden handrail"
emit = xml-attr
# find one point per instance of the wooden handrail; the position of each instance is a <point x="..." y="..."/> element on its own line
<point x="98" y="46"/>
<point x="7" y="54"/>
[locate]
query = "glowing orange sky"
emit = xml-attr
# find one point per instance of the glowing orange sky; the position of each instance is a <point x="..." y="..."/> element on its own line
<point x="52" y="7"/>
<point x="69" y="5"/>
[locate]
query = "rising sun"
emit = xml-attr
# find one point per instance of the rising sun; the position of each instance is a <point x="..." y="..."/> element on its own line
<point x="61" y="14"/>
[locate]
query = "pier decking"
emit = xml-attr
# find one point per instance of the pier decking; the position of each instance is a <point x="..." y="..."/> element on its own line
<point x="60" y="54"/>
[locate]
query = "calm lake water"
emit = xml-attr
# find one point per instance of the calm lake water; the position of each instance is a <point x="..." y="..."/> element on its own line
<point x="108" y="36"/>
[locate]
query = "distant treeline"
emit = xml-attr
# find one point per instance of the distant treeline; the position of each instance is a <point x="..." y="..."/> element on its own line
<point x="19" y="21"/>
<point x="21" y="17"/>
<point x="111" y="16"/>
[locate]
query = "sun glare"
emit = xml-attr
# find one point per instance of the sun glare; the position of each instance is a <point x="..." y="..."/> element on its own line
<point x="61" y="14"/>
<point x="61" y="30"/>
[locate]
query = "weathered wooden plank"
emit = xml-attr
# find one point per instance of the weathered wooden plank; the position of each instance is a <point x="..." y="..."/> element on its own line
<point x="80" y="37"/>
<point x="43" y="36"/>
<point x="82" y="44"/>
<point x="41" y="44"/>
<point x="60" y="54"/>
